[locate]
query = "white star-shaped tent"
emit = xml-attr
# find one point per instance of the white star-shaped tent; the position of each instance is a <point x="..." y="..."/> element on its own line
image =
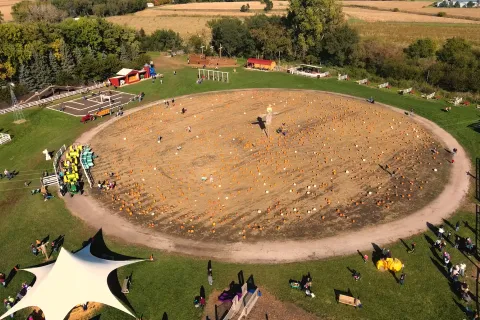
<point x="72" y="280"/>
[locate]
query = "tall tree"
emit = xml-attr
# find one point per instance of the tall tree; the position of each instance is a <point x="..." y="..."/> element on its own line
<point x="67" y="64"/>
<point x="309" y="20"/>
<point x="41" y="71"/>
<point x="232" y="34"/>
<point x="53" y="63"/>
<point x="25" y="77"/>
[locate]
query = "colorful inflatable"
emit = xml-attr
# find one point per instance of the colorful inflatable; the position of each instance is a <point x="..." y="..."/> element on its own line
<point x="394" y="264"/>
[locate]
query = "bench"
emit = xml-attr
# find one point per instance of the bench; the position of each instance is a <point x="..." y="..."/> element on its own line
<point x="104" y="112"/>
<point x="351" y="301"/>
<point x="384" y="85"/>
<point x="405" y="91"/>
<point x="428" y="96"/>
<point x="457" y="100"/>
<point x="125" y="284"/>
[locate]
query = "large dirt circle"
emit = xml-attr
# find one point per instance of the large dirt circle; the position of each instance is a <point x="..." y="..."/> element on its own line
<point x="329" y="164"/>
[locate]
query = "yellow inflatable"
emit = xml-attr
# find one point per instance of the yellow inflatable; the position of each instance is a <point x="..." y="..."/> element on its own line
<point x="394" y="264"/>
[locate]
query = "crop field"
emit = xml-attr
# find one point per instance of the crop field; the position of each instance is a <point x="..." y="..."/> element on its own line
<point x="380" y="15"/>
<point x="5" y="8"/>
<point x="402" y="34"/>
<point x="191" y="18"/>
<point x="417" y="7"/>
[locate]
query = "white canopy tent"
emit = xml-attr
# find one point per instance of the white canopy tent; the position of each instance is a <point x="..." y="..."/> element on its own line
<point x="72" y="280"/>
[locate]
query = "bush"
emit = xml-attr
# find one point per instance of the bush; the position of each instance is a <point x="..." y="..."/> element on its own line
<point x="442" y="14"/>
<point x="245" y="8"/>
<point x="395" y="10"/>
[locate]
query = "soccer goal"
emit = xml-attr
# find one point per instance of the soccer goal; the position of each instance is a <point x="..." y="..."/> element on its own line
<point x="214" y="75"/>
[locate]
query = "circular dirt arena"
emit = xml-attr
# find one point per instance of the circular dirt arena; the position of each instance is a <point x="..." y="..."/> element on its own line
<point x="326" y="164"/>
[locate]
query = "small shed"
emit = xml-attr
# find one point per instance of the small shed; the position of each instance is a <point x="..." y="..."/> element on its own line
<point x="128" y="76"/>
<point x="261" y="64"/>
<point x="150" y="5"/>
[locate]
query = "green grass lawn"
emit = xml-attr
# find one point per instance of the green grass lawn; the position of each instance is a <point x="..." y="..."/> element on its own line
<point x="170" y="283"/>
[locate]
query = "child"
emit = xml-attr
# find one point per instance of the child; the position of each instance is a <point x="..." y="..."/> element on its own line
<point x="402" y="278"/>
<point x="365" y="258"/>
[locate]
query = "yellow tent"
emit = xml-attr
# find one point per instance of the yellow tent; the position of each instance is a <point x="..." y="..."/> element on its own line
<point x="394" y="264"/>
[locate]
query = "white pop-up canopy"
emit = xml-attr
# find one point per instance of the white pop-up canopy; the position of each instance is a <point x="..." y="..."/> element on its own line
<point x="72" y="280"/>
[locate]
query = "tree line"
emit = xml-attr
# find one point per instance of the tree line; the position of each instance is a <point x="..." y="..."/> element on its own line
<point x="72" y="52"/>
<point x="57" y="10"/>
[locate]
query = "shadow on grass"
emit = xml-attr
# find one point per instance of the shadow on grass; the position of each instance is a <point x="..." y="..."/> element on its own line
<point x="405" y="244"/>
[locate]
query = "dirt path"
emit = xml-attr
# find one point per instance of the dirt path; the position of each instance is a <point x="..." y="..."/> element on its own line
<point x="96" y="215"/>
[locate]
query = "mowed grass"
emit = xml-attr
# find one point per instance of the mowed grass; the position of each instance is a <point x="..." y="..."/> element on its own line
<point x="403" y="34"/>
<point x="170" y="283"/>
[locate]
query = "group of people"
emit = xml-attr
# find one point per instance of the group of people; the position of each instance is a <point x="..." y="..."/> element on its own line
<point x="167" y="103"/>
<point x="106" y="185"/>
<point x="40" y="246"/>
<point x="9" y="302"/>
<point x="457" y="270"/>
<point x="7" y="174"/>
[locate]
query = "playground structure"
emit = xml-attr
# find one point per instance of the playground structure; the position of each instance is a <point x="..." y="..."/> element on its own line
<point x="202" y="60"/>
<point x="238" y="300"/>
<point x="5" y="138"/>
<point x="214" y="75"/>
<point x="86" y="160"/>
<point x="391" y="264"/>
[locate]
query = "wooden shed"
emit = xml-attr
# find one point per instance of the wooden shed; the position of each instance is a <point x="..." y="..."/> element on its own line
<point x="261" y="64"/>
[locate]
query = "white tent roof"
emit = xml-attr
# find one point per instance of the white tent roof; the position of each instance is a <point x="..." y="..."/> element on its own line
<point x="72" y="280"/>
<point x="124" y="72"/>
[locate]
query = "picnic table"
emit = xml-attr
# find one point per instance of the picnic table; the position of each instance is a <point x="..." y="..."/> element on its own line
<point x="351" y="301"/>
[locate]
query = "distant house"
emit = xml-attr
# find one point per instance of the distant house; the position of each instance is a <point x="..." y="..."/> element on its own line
<point x="456" y="4"/>
<point x="150" y="5"/>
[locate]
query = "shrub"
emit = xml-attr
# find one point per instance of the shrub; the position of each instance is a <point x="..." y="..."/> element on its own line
<point x="442" y="14"/>
<point x="395" y="10"/>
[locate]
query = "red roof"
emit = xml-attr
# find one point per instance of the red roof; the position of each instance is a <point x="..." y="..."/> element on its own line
<point x="260" y="61"/>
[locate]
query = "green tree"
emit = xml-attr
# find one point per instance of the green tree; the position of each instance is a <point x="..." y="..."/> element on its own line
<point x="309" y="20"/>
<point x="268" y="5"/>
<point x="232" y="35"/>
<point x="458" y="52"/>
<point x="422" y="48"/>
<point x="53" y="63"/>
<point x="40" y="71"/>
<point x="162" y="40"/>
<point x="339" y="46"/>
<point x="25" y="77"/>
<point x="36" y="11"/>
<point x="67" y="64"/>
<point x="270" y="36"/>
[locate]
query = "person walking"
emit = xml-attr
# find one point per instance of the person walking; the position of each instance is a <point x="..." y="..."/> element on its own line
<point x="365" y="258"/>
<point x="210" y="277"/>
<point x="441" y="231"/>
<point x="402" y="278"/>
<point x="457" y="241"/>
<point x="2" y="279"/>
<point x="457" y="226"/>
